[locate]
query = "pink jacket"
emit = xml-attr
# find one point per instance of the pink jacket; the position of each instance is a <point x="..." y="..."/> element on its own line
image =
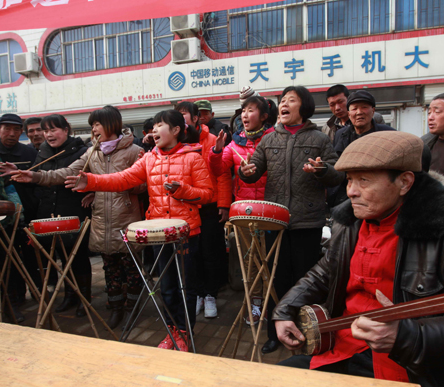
<point x="223" y="161"/>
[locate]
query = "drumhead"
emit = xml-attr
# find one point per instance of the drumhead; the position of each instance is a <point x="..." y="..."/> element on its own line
<point x="157" y="231"/>
<point x="156" y="224"/>
<point x="54" y="219"/>
<point x="260" y="202"/>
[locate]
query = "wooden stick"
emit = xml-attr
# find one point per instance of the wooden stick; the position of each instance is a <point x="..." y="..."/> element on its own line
<point x="44" y="161"/>
<point x="18" y="162"/>
<point x="89" y="158"/>
<point x="245" y="161"/>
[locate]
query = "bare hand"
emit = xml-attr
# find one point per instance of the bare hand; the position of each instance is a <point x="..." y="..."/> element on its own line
<point x="289" y="335"/>
<point x="22" y="176"/>
<point x="148" y="139"/>
<point x="172" y="187"/>
<point x="220" y="141"/>
<point x="380" y="337"/>
<point x="7" y="168"/>
<point x="223" y="212"/>
<point x="313" y="166"/>
<point x="88" y="199"/>
<point x="141" y="153"/>
<point x="247" y="168"/>
<point x="71" y="182"/>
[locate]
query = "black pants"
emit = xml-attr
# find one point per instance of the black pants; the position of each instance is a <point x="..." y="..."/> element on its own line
<point x="299" y="253"/>
<point x="360" y="364"/>
<point x="211" y="251"/>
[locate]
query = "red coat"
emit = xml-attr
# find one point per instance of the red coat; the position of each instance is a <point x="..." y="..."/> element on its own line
<point x="185" y="166"/>
<point x="222" y="181"/>
<point x="223" y="161"/>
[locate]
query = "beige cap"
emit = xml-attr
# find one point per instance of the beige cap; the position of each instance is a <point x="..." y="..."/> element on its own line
<point x="383" y="150"/>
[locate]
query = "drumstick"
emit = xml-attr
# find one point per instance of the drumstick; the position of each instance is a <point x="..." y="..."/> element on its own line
<point x="44" y="161"/>
<point x="18" y="162"/>
<point x="241" y="158"/>
<point x="87" y="161"/>
<point x="320" y="161"/>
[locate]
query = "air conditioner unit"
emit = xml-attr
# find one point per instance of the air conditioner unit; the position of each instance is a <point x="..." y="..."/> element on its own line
<point x="26" y="63"/>
<point x="185" y="50"/>
<point x="186" y="25"/>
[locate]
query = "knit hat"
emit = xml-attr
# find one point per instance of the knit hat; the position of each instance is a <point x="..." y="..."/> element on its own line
<point x="247" y="92"/>
<point x="383" y="150"/>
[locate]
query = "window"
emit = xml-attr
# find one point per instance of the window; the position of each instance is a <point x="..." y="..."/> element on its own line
<point x="106" y="46"/>
<point x="7" y="50"/>
<point x="299" y="21"/>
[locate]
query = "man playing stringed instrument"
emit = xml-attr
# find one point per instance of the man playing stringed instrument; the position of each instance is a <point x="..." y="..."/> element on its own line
<point x="386" y="247"/>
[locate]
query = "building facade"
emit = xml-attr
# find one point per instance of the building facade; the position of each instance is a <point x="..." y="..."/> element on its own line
<point x="393" y="48"/>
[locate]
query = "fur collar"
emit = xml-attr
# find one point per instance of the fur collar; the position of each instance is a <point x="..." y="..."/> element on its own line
<point x="421" y="216"/>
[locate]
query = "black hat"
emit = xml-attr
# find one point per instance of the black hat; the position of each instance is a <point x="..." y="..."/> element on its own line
<point x="11" y="119"/>
<point x="361" y="96"/>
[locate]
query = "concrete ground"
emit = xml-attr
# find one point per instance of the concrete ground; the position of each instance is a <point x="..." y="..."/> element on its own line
<point x="209" y="333"/>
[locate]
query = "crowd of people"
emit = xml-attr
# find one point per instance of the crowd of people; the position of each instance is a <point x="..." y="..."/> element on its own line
<point x="381" y="187"/>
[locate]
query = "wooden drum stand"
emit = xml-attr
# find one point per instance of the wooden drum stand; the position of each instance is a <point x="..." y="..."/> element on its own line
<point x="56" y="227"/>
<point x="257" y="216"/>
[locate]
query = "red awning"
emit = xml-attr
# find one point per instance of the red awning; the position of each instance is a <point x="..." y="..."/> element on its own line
<point x="28" y="14"/>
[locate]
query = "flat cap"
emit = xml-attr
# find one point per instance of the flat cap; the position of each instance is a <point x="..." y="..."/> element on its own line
<point x="203" y="104"/>
<point x="11" y="119"/>
<point x="383" y="150"/>
<point x="361" y="96"/>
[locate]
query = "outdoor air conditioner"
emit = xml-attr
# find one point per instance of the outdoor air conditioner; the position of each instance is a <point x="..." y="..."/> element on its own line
<point x="186" y="25"/>
<point x="185" y="50"/>
<point x="26" y="63"/>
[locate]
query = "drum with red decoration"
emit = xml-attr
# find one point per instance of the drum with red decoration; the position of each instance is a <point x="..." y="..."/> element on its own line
<point x="266" y="215"/>
<point x="157" y="231"/>
<point x="53" y="226"/>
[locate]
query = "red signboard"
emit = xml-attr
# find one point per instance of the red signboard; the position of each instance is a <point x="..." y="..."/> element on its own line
<point x="27" y="14"/>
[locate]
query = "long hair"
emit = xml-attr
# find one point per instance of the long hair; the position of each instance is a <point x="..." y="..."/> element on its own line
<point x="265" y="106"/>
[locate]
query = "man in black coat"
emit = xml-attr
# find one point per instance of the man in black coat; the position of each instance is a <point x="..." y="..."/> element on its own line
<point x="11" y="150"/>
<point x="206" y="117"/>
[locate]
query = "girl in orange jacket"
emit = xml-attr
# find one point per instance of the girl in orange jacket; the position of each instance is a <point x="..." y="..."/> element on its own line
<point x="212" y="250"/>
<point x="178" y="181"/>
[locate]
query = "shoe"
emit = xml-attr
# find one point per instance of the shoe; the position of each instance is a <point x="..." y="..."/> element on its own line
<point x="70" y="299"/>
<point x="116" y="302"/>
<point x="210" y="307"/>
<point x="256" y="309"/>
<point x="167" y="343"/>
<point x="181" y="342"/>
<point x="199" y="305"/>
<point x="270" y="346"/>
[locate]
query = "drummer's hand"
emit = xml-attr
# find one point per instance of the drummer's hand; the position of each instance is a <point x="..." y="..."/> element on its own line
<point x="223" y="212"/>
<point x="71" y="182"/>
<point x="310" y="167"/>
<point x="247" y="168"/>
<point x="7" y="168"/>
<point x="289" y="335"/>
<point x="220" y="141"/>
<point x="22" y="176"/>
<point x="379" y="336"/>
<point x="172" y="187"/>
<point x="88" y="199"/>
<point x="141" y="153"/>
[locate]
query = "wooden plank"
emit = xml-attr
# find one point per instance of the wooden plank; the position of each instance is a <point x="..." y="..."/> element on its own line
<point x="41" y="358"/>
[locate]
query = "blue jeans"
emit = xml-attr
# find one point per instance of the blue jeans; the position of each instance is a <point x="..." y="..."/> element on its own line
<point x="170" y="286"/>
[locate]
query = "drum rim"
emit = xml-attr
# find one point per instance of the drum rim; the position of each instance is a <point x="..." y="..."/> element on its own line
<point x="260" y="202"/>
<point x="253" y="217"/>
<point x="55" y="219"/>
<point x="160" y="229"/>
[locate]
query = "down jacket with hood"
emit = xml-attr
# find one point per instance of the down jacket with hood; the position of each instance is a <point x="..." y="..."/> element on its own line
<point x="224" y="160"/>
<point x="221" y="183"/>
<point x="185" y="166"/>
<point x="111" y="211"/>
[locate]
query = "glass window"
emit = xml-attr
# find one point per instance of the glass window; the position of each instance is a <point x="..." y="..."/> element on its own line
<point x="430" y="13"/>
<point x="380" y="16"/>
<point x="347" y="18"/>
<point x="7" y="50"/>
<point x="316" y="19"/>
<point x="405" y="15"/>
<point x="110" y="45"/>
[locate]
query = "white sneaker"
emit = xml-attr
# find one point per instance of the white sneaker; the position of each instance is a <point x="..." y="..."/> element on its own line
<point x="210" y="307"/>
<point x="199" y="305"/>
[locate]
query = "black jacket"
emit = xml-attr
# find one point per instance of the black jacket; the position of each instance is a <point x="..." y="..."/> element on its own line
<point x="419" y="273"/>
<point x="20" y="153"/>
<point x="57" y="199"/>
<point x="215" y="126"/>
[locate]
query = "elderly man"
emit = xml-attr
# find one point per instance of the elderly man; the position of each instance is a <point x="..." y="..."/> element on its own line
<point x="206" y="117"/>
<point x="34" y="131"/>
<point x="387" y="246"/>
<point x="435" y="139"/>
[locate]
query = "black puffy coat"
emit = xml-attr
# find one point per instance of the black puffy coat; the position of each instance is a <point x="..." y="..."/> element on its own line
<point x="57" y="199"/>
<point x="419" y="273"/>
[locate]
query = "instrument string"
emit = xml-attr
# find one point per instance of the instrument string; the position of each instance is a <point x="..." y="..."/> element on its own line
<point x="391" y="313"/>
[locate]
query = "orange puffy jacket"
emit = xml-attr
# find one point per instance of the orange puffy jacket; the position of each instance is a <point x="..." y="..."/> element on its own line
<point x="221" y="184"/>
<point x="185" y="166"/>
